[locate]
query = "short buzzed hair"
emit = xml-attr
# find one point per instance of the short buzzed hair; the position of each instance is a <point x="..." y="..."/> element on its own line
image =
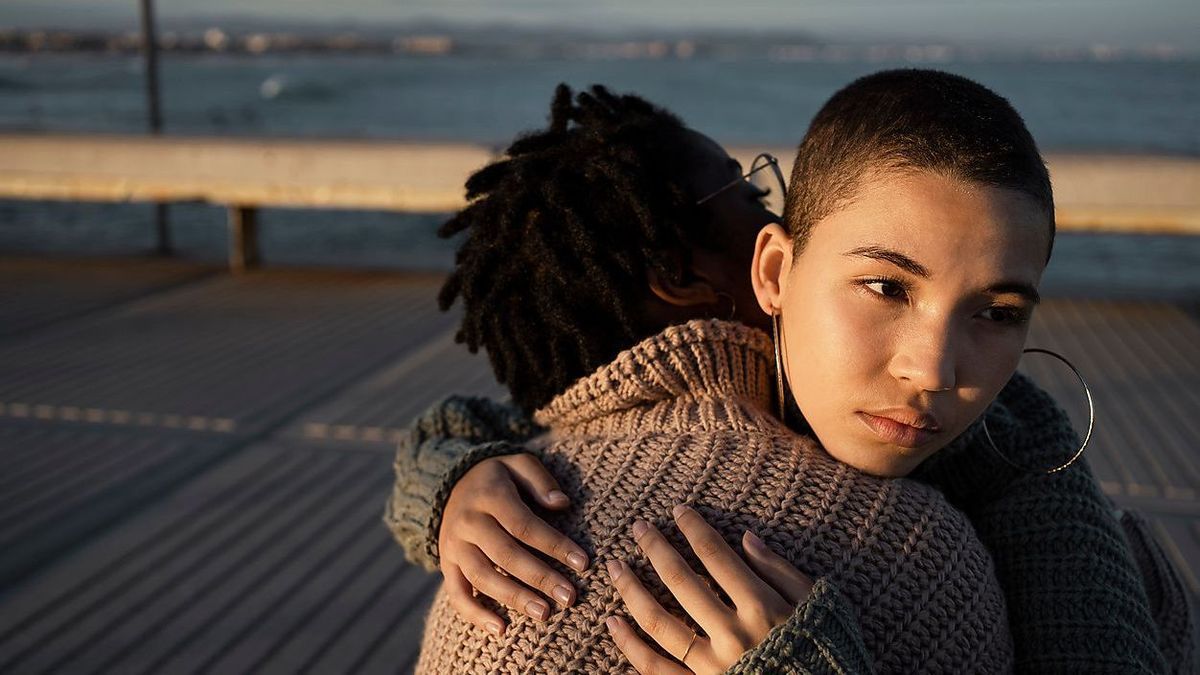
<point x="911" y="119"/>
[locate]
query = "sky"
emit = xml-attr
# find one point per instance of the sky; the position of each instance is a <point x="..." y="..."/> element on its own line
<point x="1003" y="22"/>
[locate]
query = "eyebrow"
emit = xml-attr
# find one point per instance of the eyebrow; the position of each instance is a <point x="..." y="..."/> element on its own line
<point x="895" y="257"/>
<point x="1019" y="287"/>
<point x="1025" y="290"/>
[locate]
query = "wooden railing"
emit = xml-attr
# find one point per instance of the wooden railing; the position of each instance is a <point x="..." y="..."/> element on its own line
<point x="1143" y="194"/>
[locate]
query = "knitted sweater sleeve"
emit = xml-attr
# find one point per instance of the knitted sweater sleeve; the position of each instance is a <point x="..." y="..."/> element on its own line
<point x="439" y="447"/>
<point x="822" y="636"/>
<point x="1076" y="597"/>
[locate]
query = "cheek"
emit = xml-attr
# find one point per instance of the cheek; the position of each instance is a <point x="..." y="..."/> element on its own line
<point x="993" y="363"/>
<point x="850" y="332"/>
<point x="986" y="367"/>
<point x="832" y="347"/>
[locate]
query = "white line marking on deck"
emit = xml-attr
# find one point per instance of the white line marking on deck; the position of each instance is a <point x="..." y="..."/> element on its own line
<point x="71" y="413"/>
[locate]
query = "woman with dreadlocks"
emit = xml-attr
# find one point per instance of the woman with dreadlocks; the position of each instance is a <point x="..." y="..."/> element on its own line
<point x="601" y="257"/>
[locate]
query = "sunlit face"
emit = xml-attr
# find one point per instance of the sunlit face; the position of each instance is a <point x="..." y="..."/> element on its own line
<point x="906" y="312"/>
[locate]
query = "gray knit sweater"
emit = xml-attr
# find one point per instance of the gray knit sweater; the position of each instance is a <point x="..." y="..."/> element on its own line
<point x="906" y="586"/>
<point x="1069" y="611"/>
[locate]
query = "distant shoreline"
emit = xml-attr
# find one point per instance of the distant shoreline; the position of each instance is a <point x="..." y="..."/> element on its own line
<point x="782" y="47"/>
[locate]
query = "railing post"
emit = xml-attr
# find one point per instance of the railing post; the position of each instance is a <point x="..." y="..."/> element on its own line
<point x="243" y="238"/>
<point x="154" y="113"/>
<point x="163" y="246"/>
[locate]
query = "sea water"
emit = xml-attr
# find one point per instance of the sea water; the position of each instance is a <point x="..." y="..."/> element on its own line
<point x="1130" y="106"/>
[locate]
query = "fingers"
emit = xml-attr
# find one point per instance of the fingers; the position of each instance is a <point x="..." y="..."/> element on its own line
<point x="515" y="517"/>
<point x="463" y="601"/>
<point x="663" y="627"/>
<point x="740" y="583"/>
<point x="644" y="659"/>
<point x="693" y="594"/>
<point x="478" y="570"/>
<point x="531" y="475"/>
<point x="508" y="553"/>
<point x="791" y="583"/>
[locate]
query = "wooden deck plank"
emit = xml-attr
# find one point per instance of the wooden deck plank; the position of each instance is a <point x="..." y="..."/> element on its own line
<point x="381" y="406"/>
<point x="55" y="514"/>
<point x="240" y="349"/>
<point x="252" y="352"/>
<point x="386" y="636"/>
<point x="398" y="650"/>
<point x="51" y="610"/>
<point x="87" y="471"/>
<point x="1154" y="445"/>
<point x="242" y="600"/>
<point x="50" y="291"/>
<point x="160" y="592"/>
<point x="1146" y="445"/>
<point x="1062" y="332"/>
<point x="333" y="575"/>
<point x="340" y="631"/>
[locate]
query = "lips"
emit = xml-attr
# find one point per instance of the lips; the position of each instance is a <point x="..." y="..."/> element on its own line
<point x="906" y="428"/>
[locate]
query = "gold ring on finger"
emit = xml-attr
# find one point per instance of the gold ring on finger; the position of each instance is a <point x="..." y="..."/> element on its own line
<point x="689" y="647"/>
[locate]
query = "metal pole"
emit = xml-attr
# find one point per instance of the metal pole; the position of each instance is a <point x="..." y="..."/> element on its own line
<point x="150" y="51"/>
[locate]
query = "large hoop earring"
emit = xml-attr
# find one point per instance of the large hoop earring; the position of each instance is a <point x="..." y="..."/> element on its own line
<point x="778" y="361"/>
<point x="1086" y="438"/>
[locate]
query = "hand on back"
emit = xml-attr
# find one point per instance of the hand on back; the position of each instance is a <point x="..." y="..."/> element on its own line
<point x="764" y="590"/>
<point x="487" y="525"/>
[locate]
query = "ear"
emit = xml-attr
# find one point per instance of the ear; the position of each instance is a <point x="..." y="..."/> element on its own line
<point x="696" y="292"/>
<point x="768" y="271"/>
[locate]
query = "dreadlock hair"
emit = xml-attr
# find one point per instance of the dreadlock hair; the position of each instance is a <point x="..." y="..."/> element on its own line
<point x="560" y="234"/>
<point x="911" y="119"/>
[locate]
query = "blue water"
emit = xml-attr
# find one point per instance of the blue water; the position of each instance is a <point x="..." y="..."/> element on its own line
<point x="1123" y="106"/>
<point x="1151" y="107"/>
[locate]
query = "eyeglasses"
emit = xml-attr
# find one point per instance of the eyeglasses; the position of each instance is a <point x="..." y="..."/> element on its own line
<point x="762" y="161"/>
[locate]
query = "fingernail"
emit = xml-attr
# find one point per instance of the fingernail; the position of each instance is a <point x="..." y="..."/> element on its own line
<point x="494" y="628"/>
<point x="612" y="623"/>
<point x="639" y="528"/>
<point x="537" y="610"/>
<point x="562" y="594"/>
<point x="577" y="561"/>
<point x="678" y="511"/>
<point x="755" y="543"/>
<point x="614" y="569"/>
<point x="556" y="496"/>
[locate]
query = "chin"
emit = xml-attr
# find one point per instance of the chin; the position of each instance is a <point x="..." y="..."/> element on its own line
<point x="892" y="462"/>
<point x="889" y="470"/>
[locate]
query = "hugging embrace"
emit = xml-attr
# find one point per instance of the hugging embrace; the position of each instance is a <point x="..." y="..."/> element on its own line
<point x="750" y="443"/>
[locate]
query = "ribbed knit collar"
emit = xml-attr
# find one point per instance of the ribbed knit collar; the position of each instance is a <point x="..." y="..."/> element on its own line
<point x="702" y="359"/>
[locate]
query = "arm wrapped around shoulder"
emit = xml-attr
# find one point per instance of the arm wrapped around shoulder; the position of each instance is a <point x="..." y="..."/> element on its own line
<point x="435" y="451"/>
<point x="1077" y="599"/>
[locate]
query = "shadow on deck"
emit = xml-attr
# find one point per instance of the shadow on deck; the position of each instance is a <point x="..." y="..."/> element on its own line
<point x="194" y="464"/>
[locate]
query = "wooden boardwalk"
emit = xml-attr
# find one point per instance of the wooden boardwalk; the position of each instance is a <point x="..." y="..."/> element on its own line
<point x="193" y="465"/>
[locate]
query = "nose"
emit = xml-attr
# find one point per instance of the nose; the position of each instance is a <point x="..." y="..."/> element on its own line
<point x="925" y="359"/>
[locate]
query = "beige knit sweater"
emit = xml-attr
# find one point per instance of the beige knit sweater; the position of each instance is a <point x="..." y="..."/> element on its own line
<point x="682" y="418"/>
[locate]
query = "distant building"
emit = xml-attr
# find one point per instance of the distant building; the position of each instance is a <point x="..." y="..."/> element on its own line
<point x="429" y="45"/>
<point x="216" y="39"/>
